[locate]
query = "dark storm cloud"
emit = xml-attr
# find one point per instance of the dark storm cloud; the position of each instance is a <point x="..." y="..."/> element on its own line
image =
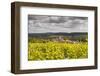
<point x="42" y="24"/>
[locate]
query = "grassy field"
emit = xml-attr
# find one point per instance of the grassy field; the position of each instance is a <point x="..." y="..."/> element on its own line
<point x="57" y="50"/>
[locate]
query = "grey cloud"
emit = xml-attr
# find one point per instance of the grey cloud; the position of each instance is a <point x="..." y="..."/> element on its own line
<point x="42" y="24"/>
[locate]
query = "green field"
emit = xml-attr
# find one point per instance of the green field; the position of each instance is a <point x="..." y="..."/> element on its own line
<point x="57" y="50"/>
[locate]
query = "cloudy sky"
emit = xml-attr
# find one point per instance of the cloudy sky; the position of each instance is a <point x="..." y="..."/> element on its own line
<point x="67" y="24"/>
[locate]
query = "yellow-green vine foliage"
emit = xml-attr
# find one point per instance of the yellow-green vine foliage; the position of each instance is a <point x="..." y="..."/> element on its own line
<point x="57" y="50"/>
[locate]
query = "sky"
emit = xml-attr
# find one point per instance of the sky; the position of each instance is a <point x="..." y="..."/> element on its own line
<point x="56" y="24"/>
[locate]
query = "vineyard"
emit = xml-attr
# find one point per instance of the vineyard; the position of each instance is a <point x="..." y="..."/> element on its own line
<point x="56" y="50"/>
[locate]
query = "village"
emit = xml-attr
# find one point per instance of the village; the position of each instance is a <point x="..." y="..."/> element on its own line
<point x="62" y="39"/>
